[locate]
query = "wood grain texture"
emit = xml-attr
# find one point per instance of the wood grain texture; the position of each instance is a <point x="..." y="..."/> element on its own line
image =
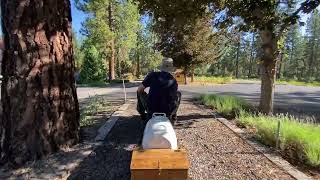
<point x="159" y="164"/>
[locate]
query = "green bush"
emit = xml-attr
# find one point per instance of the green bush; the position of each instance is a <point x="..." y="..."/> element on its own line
<point x="93" y="69"/>
<point x="228" y="106"/>
<point x="298" y="140"/>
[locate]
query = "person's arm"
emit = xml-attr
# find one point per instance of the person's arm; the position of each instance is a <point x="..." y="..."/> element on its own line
<point x="141" y="88"/>
<point x="145" y="83"/>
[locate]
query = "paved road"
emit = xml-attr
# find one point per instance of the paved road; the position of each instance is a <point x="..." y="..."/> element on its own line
<point x="288" y="98"/>
<point x="296" y="100"/>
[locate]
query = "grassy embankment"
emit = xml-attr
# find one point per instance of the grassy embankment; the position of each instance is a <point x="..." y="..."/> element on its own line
<point x="298" y="141"/>
<point x="298" y="83"/>
<point x="212" y="80"/>
<point x="228" y="79"/>
<point x="93" y="107"/>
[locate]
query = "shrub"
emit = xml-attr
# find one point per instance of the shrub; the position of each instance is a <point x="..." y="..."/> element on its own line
<point x="228" y="106"/>
<point x="95" y="105"/>
<point x="93" y="69"/>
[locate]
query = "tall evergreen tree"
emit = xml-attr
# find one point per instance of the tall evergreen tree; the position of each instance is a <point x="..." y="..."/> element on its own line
<point x="99" y="28"/>
<point x="93" y="69"/>
<point x="78" y="53"/>
<point x="293" y="55"/>
<point x="127" y="28"/>
<point x="112" y="28"/>
<point x="313" y="35"/>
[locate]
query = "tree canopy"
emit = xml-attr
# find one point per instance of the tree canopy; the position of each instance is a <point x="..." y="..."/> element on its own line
<point x="270" y="18"/>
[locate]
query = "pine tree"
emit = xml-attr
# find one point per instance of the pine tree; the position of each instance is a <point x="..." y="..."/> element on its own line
<point x="127" y="27"/>
<point x="78" y="54"/>
<point x="313" y="35"/>
<point x="93" y="69"/>
<point x="40" y="105"/>
<point x="112" y="28"/>
<point x="293" y="55"/>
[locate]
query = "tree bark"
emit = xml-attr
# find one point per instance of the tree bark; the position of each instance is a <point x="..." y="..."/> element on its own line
<point x="185" y="76"/>
<point x="138" y="66"/>
<point x="280" y="71"/>
<point x="40" y="105"/>
<point x="192" y="73"/>
<point x="251" y="56"/>
<point x="237" y="58"/>
<point x="119" y="62"/>
<point x="112" y="44"/>
<point x="313" y="51"/>
<point x="268" y="70"/>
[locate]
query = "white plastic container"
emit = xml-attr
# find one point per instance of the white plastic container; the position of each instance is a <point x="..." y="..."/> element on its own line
<point x="159" y="133"/>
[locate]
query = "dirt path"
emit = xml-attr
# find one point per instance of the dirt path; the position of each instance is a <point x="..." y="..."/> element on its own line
<point x="214" y="151"/>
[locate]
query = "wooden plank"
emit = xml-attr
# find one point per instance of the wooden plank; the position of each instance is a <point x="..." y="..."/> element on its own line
<point x="168" y="159"/>
<point x="159" y="175"/>
<point x="150" y="174"/>
<point x="173" y="174"/>
<point x="159" y="164"/>
<point x="175" y="163"/>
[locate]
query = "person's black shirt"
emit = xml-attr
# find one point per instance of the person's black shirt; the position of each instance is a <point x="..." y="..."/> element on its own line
<point x="162" y="93"/>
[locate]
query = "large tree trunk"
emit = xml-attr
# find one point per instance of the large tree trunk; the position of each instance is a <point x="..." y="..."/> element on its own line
<point x="185" y="76"/>
<point x="281" y="66"/>
<point x="112" y="44"/>
<point x="268" y="70"/>
<point x="251" y="57"/>
<point x="119" y="62"/>
<point x="313" y="52"/>
<point x="40" y="105"/>
<point x="192" y="73"/>
<point x="237" y="58"/>
<point x="138" y="67"/>
<point x="137" y="74"/>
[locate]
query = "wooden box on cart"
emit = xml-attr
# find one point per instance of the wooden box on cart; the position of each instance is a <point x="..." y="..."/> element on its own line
<point x="159" y="164"/>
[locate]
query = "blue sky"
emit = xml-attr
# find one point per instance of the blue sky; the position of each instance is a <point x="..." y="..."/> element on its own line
<point x="77" y="18"/>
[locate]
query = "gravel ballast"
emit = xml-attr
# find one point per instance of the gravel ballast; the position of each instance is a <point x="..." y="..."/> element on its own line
<point x="215" y="152"/>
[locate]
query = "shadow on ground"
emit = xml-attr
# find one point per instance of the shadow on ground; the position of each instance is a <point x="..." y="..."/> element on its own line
<point x="111" y="160"/>
<point x="187" y="121"/>
<point x="59" y="164"/>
